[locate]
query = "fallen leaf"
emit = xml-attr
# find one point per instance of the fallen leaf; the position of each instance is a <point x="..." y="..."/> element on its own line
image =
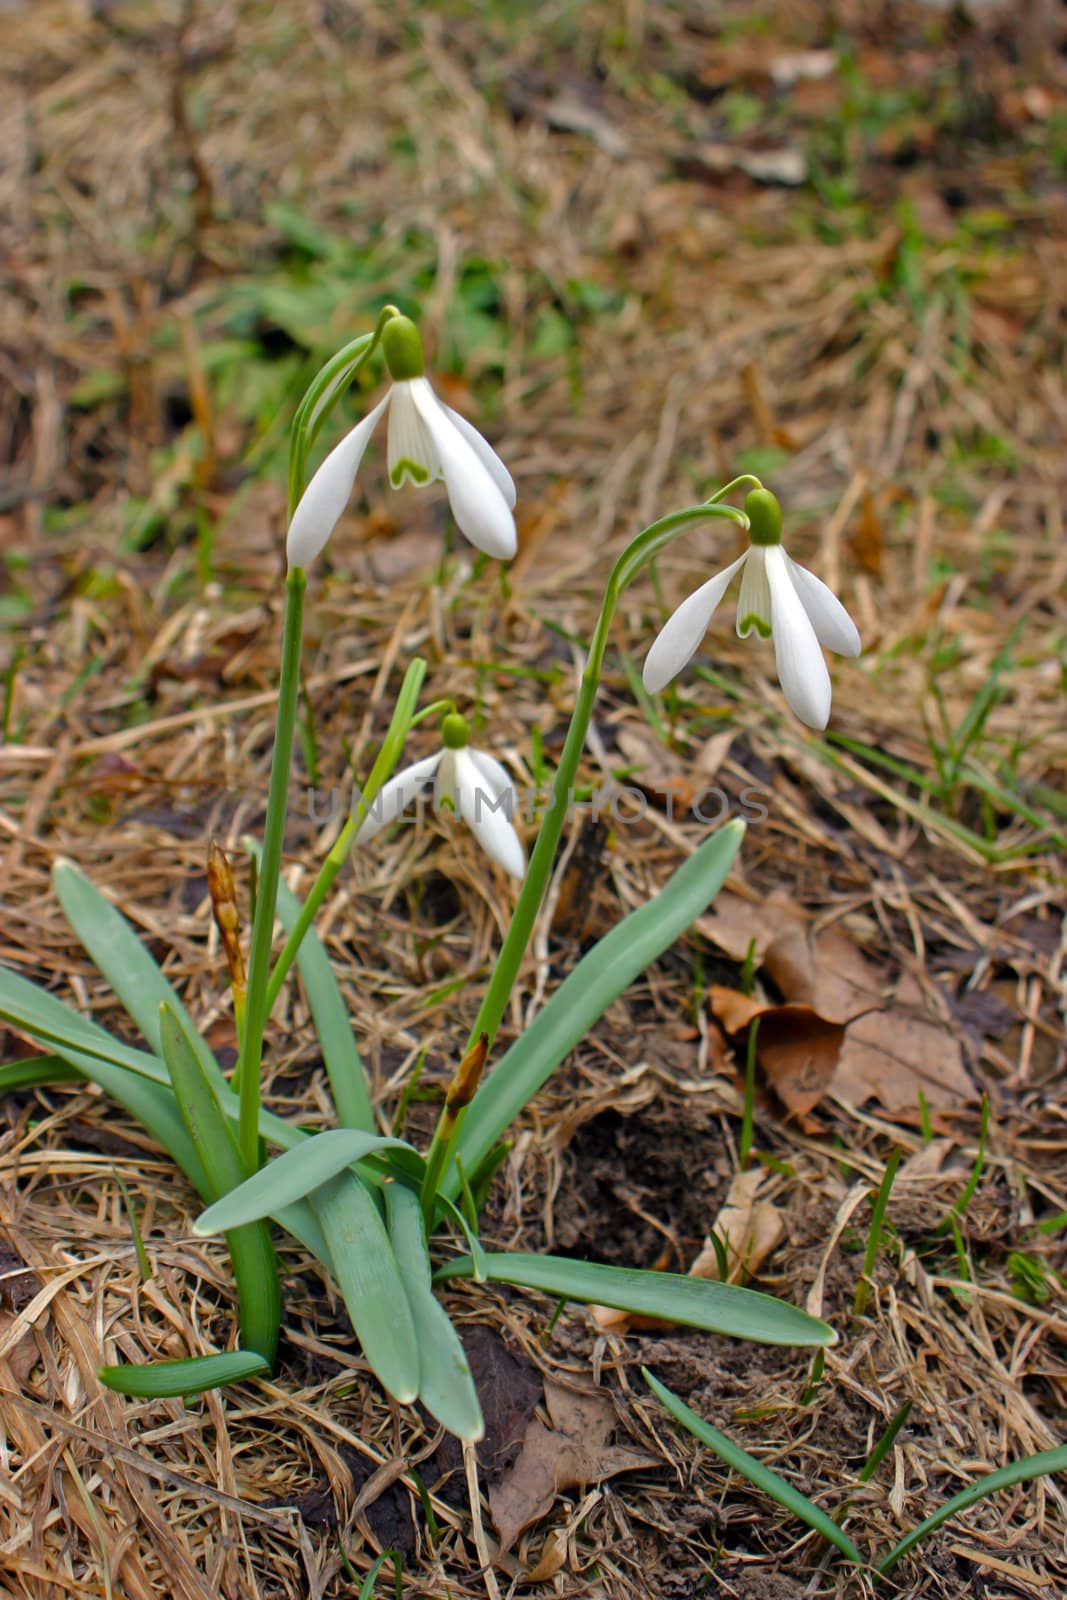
<point x="572" y="1453"/>
<point x="553" y="1555"/>
<point x="796" y="1049"/>
<point x="892" y="1045"/>
<point x="749" y="1227"/>
<point x="868" y="541"/>
<point x="23" y="1355"/>
<point x="889" y="1055"/>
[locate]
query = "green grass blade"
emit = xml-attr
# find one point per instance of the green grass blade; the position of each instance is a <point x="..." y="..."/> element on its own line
<point x="885" y="1443"/>
<point x="446" y="1387"/>
<point x="160" y="1380"/>
<point x="33" y="1072"/>
<point x="368" y="1276"/>
<point x="292" y="1176"/>
<point x="366" y="1588"/>
<point x="583" y="997"/>
<point x="1047" y="1461"/>
<point x="696" y="1302"/>
<point x="133" y="974"/>
<point x="762" y="1477"/>
<point x="344" y="1068"/>
<point x="255" y="1266"/>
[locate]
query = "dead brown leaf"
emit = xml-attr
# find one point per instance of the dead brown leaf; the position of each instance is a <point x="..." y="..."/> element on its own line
<point x="796" y="1048"/>
<point x="889" y="1055"/>
<point x="570" y="1454"/>
<point x="879" y="1038"/>
<point x="23" y="1355"/>
<point x="749" y="1227"/>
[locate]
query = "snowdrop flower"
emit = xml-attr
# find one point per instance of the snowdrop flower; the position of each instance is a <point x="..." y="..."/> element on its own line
<point x="781" y="601"/>
<point x="427" y="440"/>
<point x="465" y="781"/>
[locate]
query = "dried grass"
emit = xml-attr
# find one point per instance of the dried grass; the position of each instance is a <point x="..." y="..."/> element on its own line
<point x="140" y="145"/>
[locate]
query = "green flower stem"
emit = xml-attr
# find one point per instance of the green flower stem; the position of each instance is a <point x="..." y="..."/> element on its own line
<point x="256" y="1009"/>
<point x="322" y="395"/>
<point x="403" y="717"/>
<point x="636" y="555"/>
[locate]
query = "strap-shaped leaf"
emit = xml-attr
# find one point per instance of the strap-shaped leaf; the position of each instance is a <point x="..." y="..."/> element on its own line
<point x="95" y="1056"/>
<point x="159" y="1380"/>
<point x="45" y="1017"/>
<point x="368" y="1275"/>
<point x="254" y="1264"/>
<point x="130" y="969"/>
<point x="293" y="1175"/>
<point x="33" y="1072"/>
<point x="772" y="1485"/>
<point x="344" y="1068"/>
<point x="446" y="1387"/>
<point x="138" y="1082"/>
<point x="583" y="997"/>
<point x="695" y="1302"/>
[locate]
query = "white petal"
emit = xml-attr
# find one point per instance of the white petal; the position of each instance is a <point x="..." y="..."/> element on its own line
<point x="496" y="776"/>
<point x="833" y="626"/>
<point x="446" y="782"/>
<point x="682" y="632"/>
<point x="754" y="601"/>
<point x="477" y="503"/>
<point x="412" y="453"/>
<point x="485" y="453"/>
<point x="327" y="494"/>
<point x="801" y="667"/>
<point x="395" y="796"/>
<point x="488" y="815"/>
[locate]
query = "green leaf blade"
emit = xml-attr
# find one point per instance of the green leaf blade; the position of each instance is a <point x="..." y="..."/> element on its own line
<point x="446" y="1387"/>
<point x="695" y="1302"/>
<point x="158" y="1380"/>
<point x="370" y="1281"/>
<point x="293" y="1176"/>
<point x="134" y="1079"/>
<point x="1023" y="1471"/>
<point x="585" y="994"/>
<point x="344" y="1066"/>
<point x="36" y="1072"/>
<point x="255" y="1265"/>
<point x="132" y="972"/>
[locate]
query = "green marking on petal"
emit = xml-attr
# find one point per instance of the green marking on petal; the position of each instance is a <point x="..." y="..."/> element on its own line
<point x="411" y="469"/>
<point x="446" y="803"/>
<point x="754" y="624"/>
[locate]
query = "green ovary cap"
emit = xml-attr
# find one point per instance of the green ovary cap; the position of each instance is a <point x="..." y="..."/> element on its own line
<point x="454" y="731"/>
<point x="402" y="347"/>
<point x="764" y="516"/>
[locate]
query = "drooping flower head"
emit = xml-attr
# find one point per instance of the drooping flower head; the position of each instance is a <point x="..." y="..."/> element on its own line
<point x="779" y="600"/>
<point x="427" y="440"/>
<point x="468" y="782"/>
